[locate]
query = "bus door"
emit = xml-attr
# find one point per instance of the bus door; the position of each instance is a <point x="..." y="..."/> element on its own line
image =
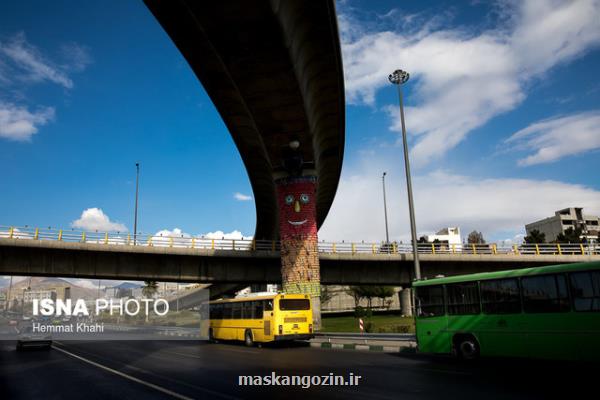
<point x="431" y="322"/>
<point x="268" y="319"/>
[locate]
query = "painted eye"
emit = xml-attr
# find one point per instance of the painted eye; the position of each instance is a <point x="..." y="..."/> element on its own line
<point x="304" y="198"/>
<point x="289" y="199"/>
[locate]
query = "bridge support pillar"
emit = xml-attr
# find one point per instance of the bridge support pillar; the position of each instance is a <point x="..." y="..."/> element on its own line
<point x="300" y="271"/>
<point x="405" y="302"/>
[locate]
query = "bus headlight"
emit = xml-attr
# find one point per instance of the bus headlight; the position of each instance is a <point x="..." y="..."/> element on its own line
<point x="281" y="329"/>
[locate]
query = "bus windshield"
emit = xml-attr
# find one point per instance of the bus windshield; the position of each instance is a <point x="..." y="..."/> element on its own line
<point x="294" y="304"/>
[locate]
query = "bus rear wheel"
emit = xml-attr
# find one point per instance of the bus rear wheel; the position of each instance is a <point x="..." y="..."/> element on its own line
<point x="466" y="347"/>
<point x="248" y="339"/>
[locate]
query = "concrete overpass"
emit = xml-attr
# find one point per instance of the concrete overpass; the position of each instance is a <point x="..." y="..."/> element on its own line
<point x="273" y="70"/>
<point x="227" y="266"/>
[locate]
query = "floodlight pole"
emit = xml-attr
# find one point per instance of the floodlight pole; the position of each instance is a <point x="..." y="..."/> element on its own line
<point x="399" y="77"/>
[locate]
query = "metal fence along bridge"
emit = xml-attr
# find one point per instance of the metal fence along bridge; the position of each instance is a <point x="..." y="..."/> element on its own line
<point x="249" y="244"/>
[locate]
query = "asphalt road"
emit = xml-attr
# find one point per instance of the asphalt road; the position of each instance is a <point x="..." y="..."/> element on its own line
<point x="199" y="370"/>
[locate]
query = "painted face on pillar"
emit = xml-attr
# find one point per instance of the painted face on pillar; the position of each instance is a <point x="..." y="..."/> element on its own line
<point x="297" y="208"/>
<point x="297" y="204"/>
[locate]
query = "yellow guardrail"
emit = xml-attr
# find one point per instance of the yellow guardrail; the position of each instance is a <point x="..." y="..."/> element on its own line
<point x="249" y="244"/>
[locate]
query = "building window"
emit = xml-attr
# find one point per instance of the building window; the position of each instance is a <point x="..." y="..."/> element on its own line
<point x="585" y="290"/>
<point x="500" y="296"/>
<point x="545" y="293"/>
<point x="463" y="298"/>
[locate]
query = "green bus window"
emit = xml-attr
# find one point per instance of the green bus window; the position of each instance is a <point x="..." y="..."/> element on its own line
<point x="500" y="296"/>
<point x="463" y="298"/>
<point x="585" y="290"/>
<point x="544" y="294"/>
<point x="430" y="301"/>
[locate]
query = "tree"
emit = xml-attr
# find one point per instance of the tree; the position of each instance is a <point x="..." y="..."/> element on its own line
<point x="369" y="292"/>
<point x="570" y="236"/>
<point x="150" y="288"/>
<point x="475" y="238"/>
<point x="326" y="294"/>
<point x="535" y="236"/>
<point x="356" y="293"/>
<point x="383" y="292"/>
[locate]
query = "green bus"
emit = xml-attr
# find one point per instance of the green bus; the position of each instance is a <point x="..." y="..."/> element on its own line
<point x="548" y="312"/>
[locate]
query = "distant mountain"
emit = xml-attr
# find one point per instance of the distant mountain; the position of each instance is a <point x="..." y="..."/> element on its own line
<point x="43" y="283"/>
<point x="128" y="285"/>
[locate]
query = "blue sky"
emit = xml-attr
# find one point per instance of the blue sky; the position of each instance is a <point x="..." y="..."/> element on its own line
<point x="503" y="116"/>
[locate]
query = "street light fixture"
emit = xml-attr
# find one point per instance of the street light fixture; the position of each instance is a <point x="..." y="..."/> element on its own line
<point x="387" y="234"/>
<point x="398" y="77"/>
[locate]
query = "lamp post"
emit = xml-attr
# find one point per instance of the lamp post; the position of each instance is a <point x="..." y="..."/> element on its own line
<point x="387" y="234"/>
<point x="398" y="77"/>
<point x="137" y="182"/>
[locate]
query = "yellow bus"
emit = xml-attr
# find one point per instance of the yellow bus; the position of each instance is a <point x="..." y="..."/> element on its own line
<point x="262" y="318"/>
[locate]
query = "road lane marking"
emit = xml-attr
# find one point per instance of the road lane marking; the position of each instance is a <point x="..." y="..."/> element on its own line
<point x="137" y="380"/>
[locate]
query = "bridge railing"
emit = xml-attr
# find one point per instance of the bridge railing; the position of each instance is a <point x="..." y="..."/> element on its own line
<point x="248" y="244"/>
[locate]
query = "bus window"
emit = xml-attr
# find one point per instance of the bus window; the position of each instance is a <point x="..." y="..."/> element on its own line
<point x="463" y="298"/>
<point x="227" y="308"/>
<point x="269" y="305"/>
<point x="430" y="301"/>
<point x="500" y="296"/>
<point x="294" y="304"/>
<point x="258" y="309"/>
<point x="544" y="293"/>
<point x="247" y="310"/>
<point x="236" y="312"/>
<point x="585" y="290"/>
<point x="216" y="311"/>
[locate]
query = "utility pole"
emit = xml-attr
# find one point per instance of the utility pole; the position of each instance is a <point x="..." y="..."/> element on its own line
<point x="387" y="233"/>
<point x="137" y="186"/>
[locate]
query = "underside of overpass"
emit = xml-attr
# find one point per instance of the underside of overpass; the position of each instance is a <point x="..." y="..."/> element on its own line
<point x="273" y="70"/>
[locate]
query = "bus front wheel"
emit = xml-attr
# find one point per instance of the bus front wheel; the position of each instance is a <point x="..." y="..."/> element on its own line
<point x="248" y="339"/>
<point x="466" y="347"/>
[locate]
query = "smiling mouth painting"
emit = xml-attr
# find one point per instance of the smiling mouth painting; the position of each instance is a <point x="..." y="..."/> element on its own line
<point x="297" y="222"/>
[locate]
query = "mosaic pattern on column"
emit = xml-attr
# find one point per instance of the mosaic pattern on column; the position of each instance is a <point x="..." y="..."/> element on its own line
<point x="300" y="271"/>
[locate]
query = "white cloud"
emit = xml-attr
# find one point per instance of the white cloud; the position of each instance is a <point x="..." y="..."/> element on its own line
<point x="463" y="79"/>
<point x="16" y="234"/>
<point x="552" y="139"/>
<point x="78" y="57"/>
<point x="22" y="61"/>
<point x="19" y="124"/>
<point x="235" y="234"/>
<point x="178" y="233"/>
<point x="175" y="233"/>
<point x="30" y="65"/>
<point x="93" y="219"/>
<point x="498" y="207"/>
<point x="241" y="197"/>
